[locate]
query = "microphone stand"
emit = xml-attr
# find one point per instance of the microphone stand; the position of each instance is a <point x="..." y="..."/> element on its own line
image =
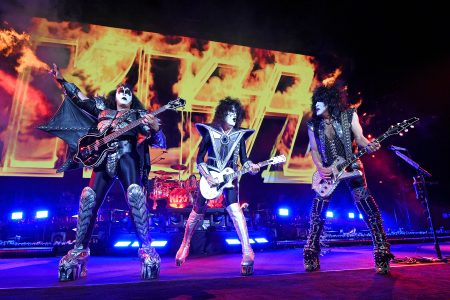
<point x="422" y="194"/>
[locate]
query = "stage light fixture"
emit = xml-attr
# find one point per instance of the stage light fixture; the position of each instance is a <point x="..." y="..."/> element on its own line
<point x="119" y="244"/>
<point x="360" y="216"/>
<point x="351" y="215"/>
<point x="158" y="243"/>
<point x="42" y="214"/>
<point x="135" y="244"/>
<point x="261" y="240"/>
<point x="283" y="212"/>
<point x="17" y="215"/>
<point x="232" y="241"/>
<point x="329" y="214"/>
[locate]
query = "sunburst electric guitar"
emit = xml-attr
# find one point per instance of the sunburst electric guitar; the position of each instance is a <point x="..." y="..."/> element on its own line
<point x="324" y="187"/>
<point x="93" y="148"/>
<point x="226" y="177"/>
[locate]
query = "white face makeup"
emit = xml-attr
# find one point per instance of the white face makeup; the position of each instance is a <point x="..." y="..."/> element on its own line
<point x="320" y="108"/>
<point x="123" y="95"/>
<point x="230" y="118"/>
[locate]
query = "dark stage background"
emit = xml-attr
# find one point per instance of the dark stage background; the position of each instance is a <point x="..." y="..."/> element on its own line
<point x="394" y="57"/>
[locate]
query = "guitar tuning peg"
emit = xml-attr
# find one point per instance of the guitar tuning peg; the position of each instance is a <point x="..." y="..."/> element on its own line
<point x="406" y="130"/>
<point x="412" y="126"/>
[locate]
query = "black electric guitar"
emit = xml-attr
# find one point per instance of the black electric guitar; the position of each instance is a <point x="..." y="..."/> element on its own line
<point x="226" y="177"/>
<point x="93" y="148"/>
<point x="324" y="187"/>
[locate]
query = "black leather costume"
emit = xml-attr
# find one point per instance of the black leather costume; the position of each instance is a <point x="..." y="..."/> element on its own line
<point x="330" y="149"/>
<point x="130" y="163"/>
<point x="224" y="150"/>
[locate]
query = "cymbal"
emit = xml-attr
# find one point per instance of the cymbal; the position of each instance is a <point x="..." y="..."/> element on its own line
<point x="163" y="173"/>
<point x="178" y="167"/>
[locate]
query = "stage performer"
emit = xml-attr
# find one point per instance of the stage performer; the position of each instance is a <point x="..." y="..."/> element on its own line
<point x="130" y="163"/>
<point x="333" y="131"/>
<point x="224" y="142"/>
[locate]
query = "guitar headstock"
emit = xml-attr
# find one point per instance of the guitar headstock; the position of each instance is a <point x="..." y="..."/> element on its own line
<point x="403" y="126"/>
<point x="277" y="159"/>
<point x="177" y="103"/>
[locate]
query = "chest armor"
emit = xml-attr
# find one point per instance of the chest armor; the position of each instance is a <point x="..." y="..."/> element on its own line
<point x="115" y="120"/>
<point x="224" y="149"/>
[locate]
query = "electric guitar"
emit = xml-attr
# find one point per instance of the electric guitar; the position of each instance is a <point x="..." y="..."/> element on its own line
<point x="226" y="177"/>
<point x="324" y="187"/>
<point x="93" y="148"/>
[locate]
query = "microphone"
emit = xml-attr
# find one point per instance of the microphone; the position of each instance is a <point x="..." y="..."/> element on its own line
<point x="395" y="148"/>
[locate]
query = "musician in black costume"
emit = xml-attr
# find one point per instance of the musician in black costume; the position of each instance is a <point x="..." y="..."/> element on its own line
<point x="224" y="142"/>
<point x="333" y="131"/>
<point x="130" y="163"/>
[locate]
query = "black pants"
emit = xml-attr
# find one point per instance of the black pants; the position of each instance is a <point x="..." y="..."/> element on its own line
<point x="101" y="183"/>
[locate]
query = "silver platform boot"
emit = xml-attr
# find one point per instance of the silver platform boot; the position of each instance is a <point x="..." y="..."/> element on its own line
<point x="248" y="256"/>
<point x="73" y="264"/>
<point x="149" y="257"/>
<point x="191" y="224"/>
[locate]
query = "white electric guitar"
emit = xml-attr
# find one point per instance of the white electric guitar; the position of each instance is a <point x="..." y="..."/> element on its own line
<point x="324" y="187"/>
<point x="226" y="177"/>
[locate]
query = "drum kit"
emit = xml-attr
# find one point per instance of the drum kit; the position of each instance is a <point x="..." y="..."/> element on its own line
<point x="179" y="193"/>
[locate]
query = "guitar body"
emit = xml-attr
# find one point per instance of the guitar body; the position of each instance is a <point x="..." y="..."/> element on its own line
<point x="91" y="152"/>
<point x="209" y="192"/>
<point x="325" y="187"/>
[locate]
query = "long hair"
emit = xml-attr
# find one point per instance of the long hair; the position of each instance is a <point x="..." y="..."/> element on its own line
<point x="330" y="96"/>
<point x="110" y="101"/>
<point x="225" y="105"/>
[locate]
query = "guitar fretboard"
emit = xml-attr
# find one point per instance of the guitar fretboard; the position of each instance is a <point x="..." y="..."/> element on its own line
<point x="130" y="126"/>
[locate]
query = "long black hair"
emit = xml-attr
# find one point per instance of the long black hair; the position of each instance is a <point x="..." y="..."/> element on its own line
<point x="332" y="97"/>
<point x="110" y="101"/>
<point x="225" y="105"/>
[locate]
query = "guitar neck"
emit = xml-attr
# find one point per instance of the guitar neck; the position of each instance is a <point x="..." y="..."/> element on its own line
<point x="130" y="126"/>
<point x="363" y="151"/>
<point x="246" y="170"/>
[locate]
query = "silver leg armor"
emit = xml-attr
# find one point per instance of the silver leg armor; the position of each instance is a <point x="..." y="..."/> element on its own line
<point x="372" y="217"/>
<point x="311" y="251"/>
<point x="148" y="255"/>
<point x="191" y="224"/>
<point x="248" y="256"/>
<point x="73" y="264"/>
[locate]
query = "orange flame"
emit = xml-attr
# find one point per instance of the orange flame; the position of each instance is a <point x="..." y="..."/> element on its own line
<point x="12" y="42"/>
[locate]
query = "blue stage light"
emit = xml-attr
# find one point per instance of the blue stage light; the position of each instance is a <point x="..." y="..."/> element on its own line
<point x="158" y="243"/>
<point x="283" y="212"/>
<point x="351" y="215"/>
<point x="261" y="240"/>
<point x="232" y="241"/>
<point x="135" y="244"/>
<point x="329" y="214"/>
<point x="122" y="244"/>
<point x="42" y="214"/>
<point x="360" y="216"/>
<point x="17" y="215"/>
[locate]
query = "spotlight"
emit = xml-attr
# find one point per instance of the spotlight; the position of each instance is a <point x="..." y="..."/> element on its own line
<point x="135" y="244"/>
<point x="360" y="216"/>
<point x="283" y="212"/>
<point x="351" y="215"/>
<point x="329" y="214"/>
<point x="42" y="214"/>
<point x="17" y="215"/>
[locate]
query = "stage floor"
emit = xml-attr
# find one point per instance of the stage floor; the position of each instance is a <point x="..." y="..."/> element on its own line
<point x="37" y="277"/>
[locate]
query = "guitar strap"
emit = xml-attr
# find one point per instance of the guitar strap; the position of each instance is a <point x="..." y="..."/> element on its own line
<point x="346" y="135"/>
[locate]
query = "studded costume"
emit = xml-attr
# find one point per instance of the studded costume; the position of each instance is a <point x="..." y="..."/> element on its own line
<point x="330" y="147"/>
<point x="223" y="150"/>
<point x="130" y="163"/>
